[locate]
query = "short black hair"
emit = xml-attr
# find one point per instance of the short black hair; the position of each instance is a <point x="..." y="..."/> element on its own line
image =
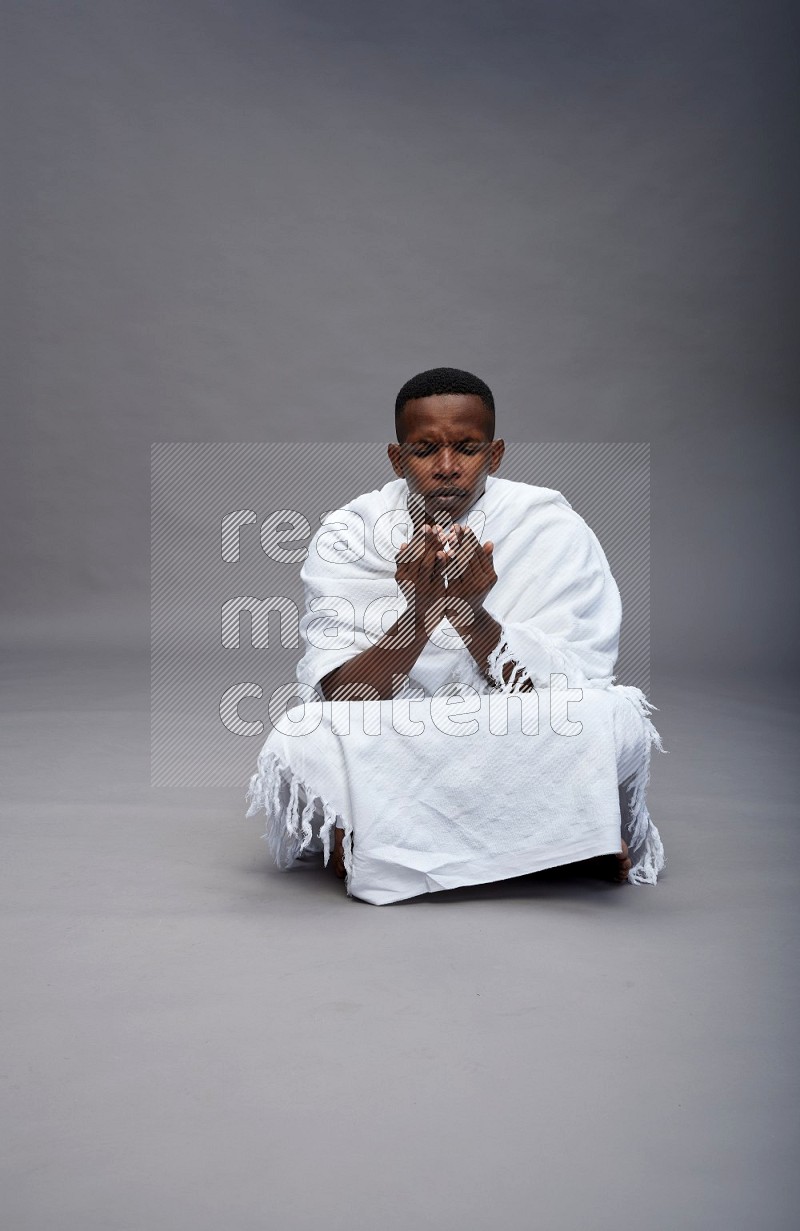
<point x="437" y="381"/>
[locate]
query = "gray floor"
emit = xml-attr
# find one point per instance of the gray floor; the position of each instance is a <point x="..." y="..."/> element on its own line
<point x="193" y="1040"/>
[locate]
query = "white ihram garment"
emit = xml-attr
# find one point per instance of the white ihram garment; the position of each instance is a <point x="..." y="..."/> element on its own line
<point x="456" y="780"/>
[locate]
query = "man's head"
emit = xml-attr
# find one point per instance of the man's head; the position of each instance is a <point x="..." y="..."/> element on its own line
<point x="444" y="419"/>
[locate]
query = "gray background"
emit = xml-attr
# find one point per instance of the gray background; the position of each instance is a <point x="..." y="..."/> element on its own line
<point x="256" y="221"/>
<point x="242" y="221"/>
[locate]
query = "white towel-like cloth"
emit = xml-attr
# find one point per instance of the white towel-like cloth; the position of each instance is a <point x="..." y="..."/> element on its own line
<point x="458" y="780"/>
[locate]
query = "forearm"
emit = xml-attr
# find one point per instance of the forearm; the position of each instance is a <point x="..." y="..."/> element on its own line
<point x="377" y="667"/>
<point x="482" y="636"/>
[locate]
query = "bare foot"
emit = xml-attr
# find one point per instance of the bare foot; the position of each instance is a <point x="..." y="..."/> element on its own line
<point x="337" y="854"/>
<point x="623" y="864"/>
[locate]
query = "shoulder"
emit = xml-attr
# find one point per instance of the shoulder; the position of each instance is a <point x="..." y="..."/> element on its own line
<point x="509" y="495"/>
<point x="545" y="518"/>
<point x="526" y="507"/>
<point x="347" y="533"/>
<point x="369" y="505"/>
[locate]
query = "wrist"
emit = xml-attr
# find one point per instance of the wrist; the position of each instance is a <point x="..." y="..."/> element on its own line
<point x="465" y="614"/>
<point x="411" y="626"/>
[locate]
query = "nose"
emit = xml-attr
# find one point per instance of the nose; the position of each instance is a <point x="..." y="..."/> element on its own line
<point x="446" y="464"/>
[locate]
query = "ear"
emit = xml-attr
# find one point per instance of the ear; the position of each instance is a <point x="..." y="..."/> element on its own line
<point x="396" y="458"/>
<point x="496" y="454"/>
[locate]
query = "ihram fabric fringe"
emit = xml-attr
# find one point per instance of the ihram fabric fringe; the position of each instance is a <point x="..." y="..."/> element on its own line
<point x="291" y="805"/>
<point x="645" y="848"/>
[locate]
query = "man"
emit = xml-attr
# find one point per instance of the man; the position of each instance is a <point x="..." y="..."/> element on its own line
<point x="421" y="797"/>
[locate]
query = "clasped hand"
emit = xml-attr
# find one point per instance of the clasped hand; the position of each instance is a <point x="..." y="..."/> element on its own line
<point x="434" y="554"/>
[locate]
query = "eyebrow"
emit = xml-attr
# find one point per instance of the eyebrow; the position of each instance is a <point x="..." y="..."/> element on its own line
<point x="465" y="440"/>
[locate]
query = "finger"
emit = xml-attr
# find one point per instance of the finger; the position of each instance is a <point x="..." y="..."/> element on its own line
<point x="474" y="547"/>
<point x="417" y="546"/>
<point x="458" y="567"/>
<point x="465" y="549"/>
<point x="449" y="540"/>
<point x="476" y="567"/>
<point x="434" y="558"/>
<point x="423" y="548"/>
<point x="430" y="542"/>
<point x="468" y="535"/>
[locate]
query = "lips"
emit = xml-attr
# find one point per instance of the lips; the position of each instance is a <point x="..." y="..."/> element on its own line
<point x="448" y="493"/>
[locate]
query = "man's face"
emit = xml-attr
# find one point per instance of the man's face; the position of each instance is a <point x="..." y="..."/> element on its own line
<point x="446" y="453"/>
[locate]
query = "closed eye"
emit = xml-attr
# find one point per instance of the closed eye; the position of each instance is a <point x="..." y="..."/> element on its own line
<point x="470" y="447"/>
